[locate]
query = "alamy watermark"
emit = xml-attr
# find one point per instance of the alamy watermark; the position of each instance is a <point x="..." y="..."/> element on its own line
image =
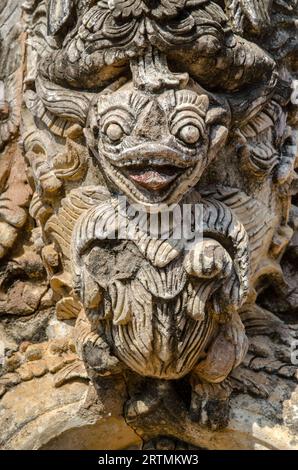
<point x="175" y="222"/>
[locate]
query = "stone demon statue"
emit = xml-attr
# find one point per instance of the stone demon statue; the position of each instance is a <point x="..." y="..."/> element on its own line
<point x="136" y="111"/>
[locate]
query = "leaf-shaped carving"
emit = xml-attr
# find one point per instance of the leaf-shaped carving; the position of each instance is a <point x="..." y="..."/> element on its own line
<point x="256" y="11"/>
<point x="71" y="164"/>
<point x="15" y="194"/>
<point x="58" y="14"/>
<point x="75" y="370"/>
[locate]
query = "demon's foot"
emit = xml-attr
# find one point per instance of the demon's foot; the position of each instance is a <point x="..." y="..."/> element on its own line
<point x="210" y="404"/>
<point x="147" y="397"/>
<point x="99" y="358"/>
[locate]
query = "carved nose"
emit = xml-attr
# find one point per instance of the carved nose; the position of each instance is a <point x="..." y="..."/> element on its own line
<point x="151" y="124"/>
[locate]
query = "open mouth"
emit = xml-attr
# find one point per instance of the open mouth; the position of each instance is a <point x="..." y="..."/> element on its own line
<point x="149" y="173"/>
<point x="154" y="178"/>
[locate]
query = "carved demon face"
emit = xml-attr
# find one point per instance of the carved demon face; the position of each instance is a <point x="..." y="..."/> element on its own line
<point x="154" y="148"/>
<point x="152" y="303"/>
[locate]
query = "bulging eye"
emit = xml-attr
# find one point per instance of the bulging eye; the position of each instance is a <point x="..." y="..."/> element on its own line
<point x="114" y="132"/>
<point x="189" y="134"/>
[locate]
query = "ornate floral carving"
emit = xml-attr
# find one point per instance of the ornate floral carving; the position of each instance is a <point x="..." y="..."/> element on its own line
<point x="135" y="109"/>
<point x="168" y="311"/>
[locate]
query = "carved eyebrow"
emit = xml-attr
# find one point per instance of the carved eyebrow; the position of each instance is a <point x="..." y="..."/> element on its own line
<point x="189" y="98"/>
<point x="114" y="108"/>
<point x="192" y="109"/>
<point x="131" y="104"/>
<point x="191" y="112"/>
<point x="117" y="115"/>
<point x="189" y="106"/>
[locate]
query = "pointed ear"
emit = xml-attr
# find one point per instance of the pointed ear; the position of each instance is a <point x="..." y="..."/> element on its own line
<point x="59" y="12"/>
<point x="218" y="138"/>
<point x="90" y="139"/>
<point x="91" y="129"/>
<point x="258" y="13"/>
<point x="203" y="103"/>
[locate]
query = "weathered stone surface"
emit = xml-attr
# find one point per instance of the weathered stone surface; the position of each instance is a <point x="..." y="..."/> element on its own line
<point x="148" y="224"/>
